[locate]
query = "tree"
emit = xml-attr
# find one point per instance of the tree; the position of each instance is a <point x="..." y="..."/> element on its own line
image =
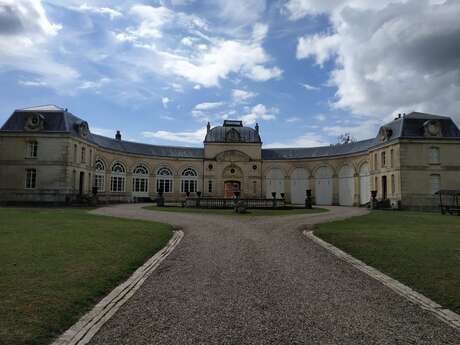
<point x="345" y="138"/>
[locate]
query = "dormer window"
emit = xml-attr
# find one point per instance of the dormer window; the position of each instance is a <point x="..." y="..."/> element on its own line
<point x="32" y="149"/>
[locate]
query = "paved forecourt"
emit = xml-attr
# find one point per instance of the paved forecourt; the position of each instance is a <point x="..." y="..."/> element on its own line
<point x="258" y="280"/>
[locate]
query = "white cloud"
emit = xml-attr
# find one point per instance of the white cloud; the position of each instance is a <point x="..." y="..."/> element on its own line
<point x="320" y="117"/>
<point x="388" y="55"/>
<point x="240" y="96"/>
<point x="165" y="101"/>
<point x="25" y="35"/>
<point x="259" y="112"/>
<point x="238" y="13"/>
<point x="112" y="13"/>
<point x="319" y="46"/>
<point x="189" y="137"/>
<point x="85" y="85"/>
<point x="307" y="140"/>
<point x="106" y="132"/>
<point x="36" y="83"/>
<point x="208" y="105"/>
<point x="309" y="87"/>
<point x="203" y="58"/>
<point x="361" y="130"/>
<point x="293" y="119"/>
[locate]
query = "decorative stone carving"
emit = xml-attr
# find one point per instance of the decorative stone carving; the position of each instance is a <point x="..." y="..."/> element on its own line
<point x="232" y="156"/>
<point x="82" y="128"/>
<point x="34" y="123"/>
<point x="232" y="171"/>
<point x="432" y="128"/>
<point x="385" y="133"/>
<point x="232" y="136"/>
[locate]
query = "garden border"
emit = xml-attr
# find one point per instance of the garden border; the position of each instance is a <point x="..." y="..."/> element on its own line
<point x="90" y="323"/>
<point x="444" y="314"/>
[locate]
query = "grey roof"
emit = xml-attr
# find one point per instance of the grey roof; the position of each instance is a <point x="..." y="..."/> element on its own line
<point x="59" y="120"/>
<point x="219" y="134"/>
<point x="411" y="126"/>
<point x="318" y="152"/>
<point x="147" y="149"/>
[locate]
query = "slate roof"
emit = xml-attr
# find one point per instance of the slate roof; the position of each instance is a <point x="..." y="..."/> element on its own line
<point x="146" y="149"/>
<point x="318" y="152"/>
<point x="59" y="120"/>
<point x="411" y="126"/>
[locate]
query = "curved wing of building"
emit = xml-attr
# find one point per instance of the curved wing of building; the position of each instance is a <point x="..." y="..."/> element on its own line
<point x="50" y="155"/>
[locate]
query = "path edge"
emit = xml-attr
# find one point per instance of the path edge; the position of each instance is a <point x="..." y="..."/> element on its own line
<point x="90" y="323"/>
<point x="446" y="315"/>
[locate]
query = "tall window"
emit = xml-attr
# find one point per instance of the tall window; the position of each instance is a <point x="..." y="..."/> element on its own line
<point x="435" y="183"/>
<point x="32" y="149"/>
<point x="117" y="180"/>
<point x="210" y="186"/>
<point x="375" y="161"/>
<point x="392" y="158"/>
<point x="254" y="187"/>
<point x="189" y="181"/>
<point x="140" y="179"/>
<point x="393" y="185"/>
<point x="383" y="160"/>
<point x="31" y="179"/>
<point x="83" y="154"/>
<point x="99" y="176"/>
<point x="435" y="156"/>
<point x="164" y="180"/>
<point x="90" y="157"/>
<point x="75" y="153"/>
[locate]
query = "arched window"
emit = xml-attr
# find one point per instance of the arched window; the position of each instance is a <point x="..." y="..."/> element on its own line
<point x="189" y="181"/>
<point x="99" y="176"/>
<point x="435" y="156"/>
<point x="164" y="180"/>
<point x="140" y="179"/>
<point x="117" y="180"/>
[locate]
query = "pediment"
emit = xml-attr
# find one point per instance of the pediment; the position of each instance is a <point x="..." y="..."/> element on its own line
<point x="232" y="156"/>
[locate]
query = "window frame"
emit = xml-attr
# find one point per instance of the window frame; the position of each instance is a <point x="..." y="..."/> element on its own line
<point x="432" y="192"/>
<point x="27" y="184"/>
<point x="164" y="180"/>
<point x="189" y="181"/>
<point x="32" y="149"/>
<point x="434" y="159"/>
<point x="140" y="179"/>
<point x="118" y="178"/>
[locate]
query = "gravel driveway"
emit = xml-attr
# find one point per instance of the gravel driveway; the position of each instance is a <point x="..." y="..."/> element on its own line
<point x="258" y="280"/>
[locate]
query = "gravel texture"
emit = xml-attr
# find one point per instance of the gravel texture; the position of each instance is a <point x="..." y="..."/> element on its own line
<point x="258" y="280"/>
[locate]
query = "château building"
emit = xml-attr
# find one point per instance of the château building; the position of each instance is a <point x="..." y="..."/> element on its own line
<point x="47" y="154"/>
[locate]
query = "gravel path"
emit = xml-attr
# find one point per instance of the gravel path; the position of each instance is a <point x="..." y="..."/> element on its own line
<point x="257" y="280"/>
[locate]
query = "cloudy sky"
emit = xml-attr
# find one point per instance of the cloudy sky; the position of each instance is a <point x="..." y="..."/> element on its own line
<point x="306" y="70"/>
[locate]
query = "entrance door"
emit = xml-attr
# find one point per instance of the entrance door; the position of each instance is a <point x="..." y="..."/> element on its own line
<point x="82" y="183"/>
<point x="384" y="187"/>
<point x="230" y="187"/>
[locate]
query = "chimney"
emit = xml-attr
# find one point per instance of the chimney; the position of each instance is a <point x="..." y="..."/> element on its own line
<point x="118" y="136"/>
<point x="208" y="127"/>
<point x="257" y="128"/>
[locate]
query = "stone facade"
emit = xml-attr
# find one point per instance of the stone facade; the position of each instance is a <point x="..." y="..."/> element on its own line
<point x="50" y="155"/>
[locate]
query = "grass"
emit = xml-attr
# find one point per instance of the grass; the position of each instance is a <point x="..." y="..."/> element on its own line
<point x="56" y="263"/>
<point x="421" y="250"/>
<point x="230" y="212"/>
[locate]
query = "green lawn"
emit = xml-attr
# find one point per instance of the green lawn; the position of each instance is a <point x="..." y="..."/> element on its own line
<point x="56" y="263"/>
<point x="230" y="212"/>
<point x="421" y="250"/>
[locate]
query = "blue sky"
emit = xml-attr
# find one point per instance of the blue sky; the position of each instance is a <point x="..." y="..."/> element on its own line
<point x="305" y="70"/>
